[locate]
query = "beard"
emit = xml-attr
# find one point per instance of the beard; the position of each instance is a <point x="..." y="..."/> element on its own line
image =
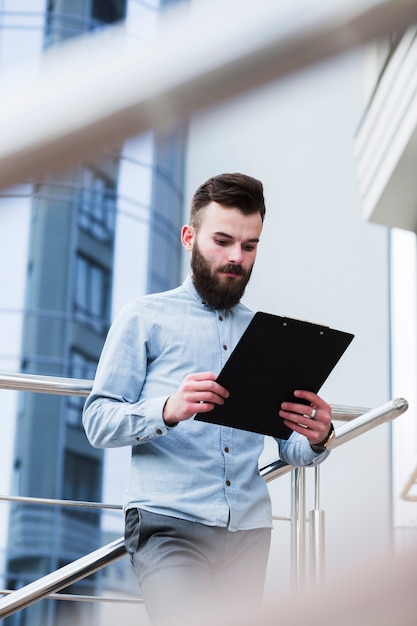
<point x="220" y="294"/>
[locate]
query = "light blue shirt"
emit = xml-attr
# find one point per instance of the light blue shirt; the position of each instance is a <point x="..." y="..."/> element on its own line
<point x="196" y="471"/>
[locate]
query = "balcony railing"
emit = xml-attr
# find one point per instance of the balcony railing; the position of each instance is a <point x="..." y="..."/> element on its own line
<point x="357" y="422"/>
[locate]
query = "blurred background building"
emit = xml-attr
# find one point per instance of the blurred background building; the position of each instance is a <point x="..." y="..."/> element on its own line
<point x="334" y="146"/>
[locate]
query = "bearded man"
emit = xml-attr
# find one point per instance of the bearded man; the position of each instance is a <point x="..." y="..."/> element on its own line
<point x="197" y="512"/>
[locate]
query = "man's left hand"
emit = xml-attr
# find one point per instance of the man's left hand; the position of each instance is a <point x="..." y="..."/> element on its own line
<point x="313" y="421"/>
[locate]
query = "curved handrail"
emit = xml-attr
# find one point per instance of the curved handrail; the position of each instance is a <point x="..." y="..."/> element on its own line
<point x="61" y="578"/>
<point x="358" y="426"/>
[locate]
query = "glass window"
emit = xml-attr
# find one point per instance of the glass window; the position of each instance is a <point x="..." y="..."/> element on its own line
<point x="65" y="19"/>
<point x="81" y="477"/>
<point x="69" y="18"/>
<point x="82" y="482"/>
<point x="82" y="367"/>
<point x="110" y="11"/>
<point x="96" y="205"/>
<point x="92" y="289"/>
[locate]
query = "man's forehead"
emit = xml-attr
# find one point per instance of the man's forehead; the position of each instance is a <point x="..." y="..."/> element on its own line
<point x="224" y="219"/>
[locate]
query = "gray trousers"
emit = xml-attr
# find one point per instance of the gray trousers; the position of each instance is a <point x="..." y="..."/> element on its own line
<point x="190" y="573"/>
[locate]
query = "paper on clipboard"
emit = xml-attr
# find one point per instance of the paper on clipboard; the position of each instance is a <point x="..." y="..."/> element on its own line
<point x="274" y="357"/>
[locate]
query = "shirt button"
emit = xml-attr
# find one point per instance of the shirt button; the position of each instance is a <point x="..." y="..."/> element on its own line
<point x="228" y="483"/>
<point x="137" y="438"/>
<point x="203" y="302"/>
<point x="224" y="347"/>
<point x="158" y="431"/>
<point x="221" y="318"/>
<point x="226" y="449"/>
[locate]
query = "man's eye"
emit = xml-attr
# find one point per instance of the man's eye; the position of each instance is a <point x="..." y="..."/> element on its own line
<point x="220" y="242"/>
<point x="249" y="248"/>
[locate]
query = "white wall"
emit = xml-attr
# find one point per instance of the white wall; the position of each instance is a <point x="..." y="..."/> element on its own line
<point x="14" y="235"/>
<point x="404" y="375"/>
<point x="319" y="261"/>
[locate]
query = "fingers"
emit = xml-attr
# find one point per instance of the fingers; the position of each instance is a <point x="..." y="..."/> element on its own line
<point x="313" y="398"/>
<point x="202" y="387"/>
<point x="198" y="393"/>
<point x="312" y="420"/>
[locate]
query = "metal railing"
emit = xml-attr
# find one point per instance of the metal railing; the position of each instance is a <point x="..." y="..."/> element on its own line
<point x="358" y="421"/>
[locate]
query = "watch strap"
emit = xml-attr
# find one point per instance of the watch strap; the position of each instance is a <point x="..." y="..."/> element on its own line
<point x="325" y="444"/>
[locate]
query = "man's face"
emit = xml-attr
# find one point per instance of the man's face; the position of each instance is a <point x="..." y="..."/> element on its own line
<point x="223" y="252"/>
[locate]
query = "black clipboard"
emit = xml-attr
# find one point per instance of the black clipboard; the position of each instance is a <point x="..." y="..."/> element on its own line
<point x="274" y="357"/>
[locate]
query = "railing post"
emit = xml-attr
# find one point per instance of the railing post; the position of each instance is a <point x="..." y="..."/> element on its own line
<point x="317" y="535"/>
<point x="298" y="523"/>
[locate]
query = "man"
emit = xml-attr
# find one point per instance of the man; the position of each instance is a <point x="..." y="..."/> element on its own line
<point x="198" y="514"/>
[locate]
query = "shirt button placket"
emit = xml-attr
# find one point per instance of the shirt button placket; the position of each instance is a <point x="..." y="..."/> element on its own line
<point x="227" y="459"/>
<point x="222" y="328"/>
<point x="226" y="449"/>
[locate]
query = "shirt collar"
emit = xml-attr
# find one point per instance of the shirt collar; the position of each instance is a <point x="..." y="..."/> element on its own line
<point x="189" y="287"/>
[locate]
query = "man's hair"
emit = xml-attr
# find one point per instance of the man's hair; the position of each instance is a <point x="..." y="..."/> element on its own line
<point x="231" y="190"/>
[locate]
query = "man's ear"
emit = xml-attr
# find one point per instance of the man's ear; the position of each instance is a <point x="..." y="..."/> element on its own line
<point x="187" y="237"/>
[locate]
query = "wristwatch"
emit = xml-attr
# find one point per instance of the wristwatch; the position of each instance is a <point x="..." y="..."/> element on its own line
<point x="326" y="443"/>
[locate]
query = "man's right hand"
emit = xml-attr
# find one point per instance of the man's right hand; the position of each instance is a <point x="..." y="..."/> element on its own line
<point x="198" y="393"/>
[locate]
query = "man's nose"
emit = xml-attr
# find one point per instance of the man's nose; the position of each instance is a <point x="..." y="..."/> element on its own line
<point x="235" y="254"/>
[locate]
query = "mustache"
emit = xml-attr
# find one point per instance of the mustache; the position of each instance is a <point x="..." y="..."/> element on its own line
<point x="230" y="268"/>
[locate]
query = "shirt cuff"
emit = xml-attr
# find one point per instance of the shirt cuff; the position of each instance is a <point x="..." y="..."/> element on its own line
<point x="151" y="423"/>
